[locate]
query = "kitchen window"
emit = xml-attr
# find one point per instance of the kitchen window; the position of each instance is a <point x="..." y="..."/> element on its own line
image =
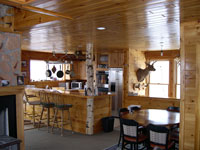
<point x="38" y="70"/>
<point x="159" y="80"/>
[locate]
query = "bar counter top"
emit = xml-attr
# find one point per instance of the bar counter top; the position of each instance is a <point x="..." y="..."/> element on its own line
<point x="76" y="93"/>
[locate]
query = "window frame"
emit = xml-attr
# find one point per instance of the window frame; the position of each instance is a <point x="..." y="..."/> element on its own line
<point x="47" y="78"/>
<point x="159" y="83"/>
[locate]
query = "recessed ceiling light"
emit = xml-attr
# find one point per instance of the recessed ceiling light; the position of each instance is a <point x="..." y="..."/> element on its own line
<point x="101" y="28"/>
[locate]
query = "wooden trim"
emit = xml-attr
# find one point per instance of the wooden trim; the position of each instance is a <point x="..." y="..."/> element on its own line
<point x="44" y="11"/>
<point x="155" y="55"/>
<point x="197" y="137"/>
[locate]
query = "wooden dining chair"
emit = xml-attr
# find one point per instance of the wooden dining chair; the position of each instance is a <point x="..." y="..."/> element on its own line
<point x="131" y="134"/>
<point x="158" y="136"/>
<point x="122" y="111"/>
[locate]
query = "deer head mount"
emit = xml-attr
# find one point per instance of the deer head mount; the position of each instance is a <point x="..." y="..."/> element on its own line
<point x="142" y="73"/>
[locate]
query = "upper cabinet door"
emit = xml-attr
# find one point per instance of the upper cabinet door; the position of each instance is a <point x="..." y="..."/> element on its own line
<point x="116" y="60"/>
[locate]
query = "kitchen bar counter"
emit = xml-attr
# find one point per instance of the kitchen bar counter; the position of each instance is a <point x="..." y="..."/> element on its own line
<point x="86" y="112"/>
<point x="76" y="93"/>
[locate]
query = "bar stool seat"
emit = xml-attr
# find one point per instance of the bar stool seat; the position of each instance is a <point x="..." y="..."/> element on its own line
<point x="65" y="106"/>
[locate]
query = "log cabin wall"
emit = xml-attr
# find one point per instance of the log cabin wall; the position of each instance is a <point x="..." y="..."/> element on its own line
<point x="190" y="95"/>
<point x="136" y="60"/>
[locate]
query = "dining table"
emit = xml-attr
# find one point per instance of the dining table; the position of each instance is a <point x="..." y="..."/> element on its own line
<point x="154" y="116"/>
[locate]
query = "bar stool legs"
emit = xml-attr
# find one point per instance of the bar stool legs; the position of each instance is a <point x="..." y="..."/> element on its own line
<point x="48" y="118"/>
<point x="62" y="120"/>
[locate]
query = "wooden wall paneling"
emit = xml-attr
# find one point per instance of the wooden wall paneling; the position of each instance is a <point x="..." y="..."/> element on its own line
<point x="171" y="88"/>
<point x="151" y="102"/>
<point x="197" y="137"/>
<point x="102" y="108"/>
<point x="189" y="126"/>
<point x="136" y="60"/>
<point x="7" y="22"/>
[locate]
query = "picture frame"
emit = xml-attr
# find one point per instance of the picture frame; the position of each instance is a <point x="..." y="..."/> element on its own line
<point x="24" y="74"/>
<point x="20" y="80"/>
<point x="23" y="63"/>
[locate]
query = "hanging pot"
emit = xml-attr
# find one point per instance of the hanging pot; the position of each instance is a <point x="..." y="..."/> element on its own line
<point x="67" y="71"/>
<point x="48" y="72"/>
<point x="72" y="74"/>
<point x="60" y="73"/>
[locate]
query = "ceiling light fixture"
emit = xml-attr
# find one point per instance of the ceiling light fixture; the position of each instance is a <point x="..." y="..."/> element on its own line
<point x="161" y="53"/>
<point x="101" y="28"/>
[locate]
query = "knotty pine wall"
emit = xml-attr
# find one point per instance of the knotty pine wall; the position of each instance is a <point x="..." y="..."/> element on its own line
<point x="190" y="85"/>
<point x="136" y="60"/>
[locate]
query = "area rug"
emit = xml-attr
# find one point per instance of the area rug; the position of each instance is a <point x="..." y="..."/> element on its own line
<point x="115" y="147"/>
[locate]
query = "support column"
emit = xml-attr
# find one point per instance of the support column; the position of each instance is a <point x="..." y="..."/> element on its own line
<point x="90" y="88"/>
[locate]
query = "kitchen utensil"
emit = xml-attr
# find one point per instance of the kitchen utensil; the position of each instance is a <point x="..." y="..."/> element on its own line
<point x="67" y="71"/>
<point x="48" y="72"/>
<point x="60" y="73"/>
<point x="53" y="69"/>
<point x="72" y="74"/>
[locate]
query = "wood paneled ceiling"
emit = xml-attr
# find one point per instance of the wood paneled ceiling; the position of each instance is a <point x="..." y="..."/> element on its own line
<point x="135" y="24"/>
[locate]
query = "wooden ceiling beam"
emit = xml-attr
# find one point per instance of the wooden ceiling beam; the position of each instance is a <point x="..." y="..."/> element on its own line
<point x="24" y="19"/>
<point x="46" y="12"/>
<point x="21" y="5"/>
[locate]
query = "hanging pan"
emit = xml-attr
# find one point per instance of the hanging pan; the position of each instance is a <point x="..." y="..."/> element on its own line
<point x="48" y="72"/>
<point x="60" y="73"/>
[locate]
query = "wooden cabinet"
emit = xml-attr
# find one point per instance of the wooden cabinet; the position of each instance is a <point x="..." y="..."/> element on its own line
<point x="116" y="60"/>
<point x="102" y="61"/>
<point x="79" y="68"/>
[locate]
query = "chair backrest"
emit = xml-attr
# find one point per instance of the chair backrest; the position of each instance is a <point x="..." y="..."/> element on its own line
<point x="57" y="98"/>
<point x="43" y="97"/>
<point x="25" y="98"/>
<point x="158" y="135"/>
<point x="129" y="128"/>
<point x="123" y="111"/>
<point x="173" y="109"/>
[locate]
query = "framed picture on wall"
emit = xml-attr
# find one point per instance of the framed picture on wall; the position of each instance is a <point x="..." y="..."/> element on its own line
<point x="24" y="74"/>
<point x="20" y="80"/>
<point x="23" y="63"/>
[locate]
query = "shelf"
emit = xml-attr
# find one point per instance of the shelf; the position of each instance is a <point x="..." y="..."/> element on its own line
<point x="102" y="69"/>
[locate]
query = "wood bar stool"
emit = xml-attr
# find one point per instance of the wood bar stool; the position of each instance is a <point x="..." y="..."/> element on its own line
<point x="36" y="101"/>
<point x="46" y="104"/>
<point x="61" y="106"/>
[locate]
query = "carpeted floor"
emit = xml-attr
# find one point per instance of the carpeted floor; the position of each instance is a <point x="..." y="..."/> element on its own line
<point x="41" y="140"/>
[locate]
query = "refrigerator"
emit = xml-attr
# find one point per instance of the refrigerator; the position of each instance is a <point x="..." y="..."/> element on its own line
<point x="115" y="81"/>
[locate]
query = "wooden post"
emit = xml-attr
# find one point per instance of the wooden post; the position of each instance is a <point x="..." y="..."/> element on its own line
<point x="90" y="89"/>
<point x="89" y="70"/>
